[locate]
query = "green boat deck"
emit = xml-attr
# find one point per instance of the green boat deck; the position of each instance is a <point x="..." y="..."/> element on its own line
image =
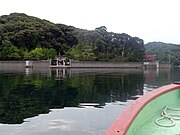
<point x="144" y="124"/>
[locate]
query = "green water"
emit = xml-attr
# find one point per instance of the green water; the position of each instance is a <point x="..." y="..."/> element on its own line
<point x="71" y="101"/>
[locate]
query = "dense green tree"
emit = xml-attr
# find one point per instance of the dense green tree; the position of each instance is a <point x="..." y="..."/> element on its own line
<point x="25" y="37"/>
<point x="38" y="54"/>
<point x="51" y="54"/>
<point x="9" y="51"/>
<point x="102" y="30"/>
<point x="107" y="46"/>
<point x="27" y="33"/>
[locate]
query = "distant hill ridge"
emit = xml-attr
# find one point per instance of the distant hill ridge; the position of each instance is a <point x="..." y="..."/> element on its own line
<point x="165" y="52"/>
<point x="161" y="44"/>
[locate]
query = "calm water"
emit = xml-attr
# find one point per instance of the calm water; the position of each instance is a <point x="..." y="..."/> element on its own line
<point x="71" y="101"/>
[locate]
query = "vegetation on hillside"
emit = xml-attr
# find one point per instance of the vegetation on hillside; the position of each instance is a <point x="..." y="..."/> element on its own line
<point x="25" y="37"/>
<point x="164" y="52"/>
<point x="106" y="46"/>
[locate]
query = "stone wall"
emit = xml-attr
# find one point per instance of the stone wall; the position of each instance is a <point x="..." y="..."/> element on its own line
<point x="164" y="65"/>
<point x="23" y="64"/>
<point x="154" y="65"/>
<point x="98" y="64"/>
<point x="41" y="64"/>
<point x="12" y="64"/>
<point x="74" y="64"/>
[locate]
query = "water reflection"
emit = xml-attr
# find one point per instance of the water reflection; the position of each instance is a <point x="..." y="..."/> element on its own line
<point x="155" y="78"/>
<point x="25" y="93"/>
<point x="31" y="92"/>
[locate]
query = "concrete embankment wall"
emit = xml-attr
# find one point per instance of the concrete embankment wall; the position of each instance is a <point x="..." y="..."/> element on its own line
<point x="164" y="65"/>
<point x="74" y="64"/>
<point x="23" y="64"/>
<point x="155" y="65"/>
<point x="21" y="67"/>
<point x="79" y="64"/>
<point x="12" y="64"/>
<point x="98" y="64"/>
<point x="41" y="64"/>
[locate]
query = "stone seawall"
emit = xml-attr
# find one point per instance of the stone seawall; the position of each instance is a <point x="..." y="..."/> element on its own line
<point x="12" y="64"/>
<point x="155" y="65"/>
<point x="41" y="64"/>
<point x="74" y="64"/>
<point x="24" y="64"/>
<point x="98" y="64"/>
<point x="164" y="65"/>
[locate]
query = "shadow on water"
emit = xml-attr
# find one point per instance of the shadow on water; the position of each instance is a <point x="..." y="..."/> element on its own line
<point x="29" y="92"/>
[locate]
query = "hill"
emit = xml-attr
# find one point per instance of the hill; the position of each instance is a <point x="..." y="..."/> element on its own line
<point x="27" y="37"/>
<point x="164" y="52"/>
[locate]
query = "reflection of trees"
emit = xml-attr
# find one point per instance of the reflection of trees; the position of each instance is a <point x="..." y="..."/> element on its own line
<point x="122" y="87"/>
<point x="107" y="88"/>
<point x="27" y="96"/>
<point x="22" y="97"/>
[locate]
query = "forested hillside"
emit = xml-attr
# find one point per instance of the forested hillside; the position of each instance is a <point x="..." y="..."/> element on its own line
<point x="25" y="37"/>
<point x="164" y="52"/>
<point x="104" y="46"/>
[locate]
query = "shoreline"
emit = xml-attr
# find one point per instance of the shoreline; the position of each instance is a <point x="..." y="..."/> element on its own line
<point x="78" y="64"/>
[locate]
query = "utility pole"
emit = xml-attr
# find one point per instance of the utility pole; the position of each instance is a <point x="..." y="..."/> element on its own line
<point x="123" y="47"/>
<point x="169" y="58"/>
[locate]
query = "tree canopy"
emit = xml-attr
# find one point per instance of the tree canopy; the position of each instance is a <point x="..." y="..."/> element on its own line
<point x="26" y="37"/>
<point x="21" y="34"/>
<point x="101" y="45"/>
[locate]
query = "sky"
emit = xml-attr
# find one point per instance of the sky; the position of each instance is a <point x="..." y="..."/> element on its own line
<point x="150" y="20"/>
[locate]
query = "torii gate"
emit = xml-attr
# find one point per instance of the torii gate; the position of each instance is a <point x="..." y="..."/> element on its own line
<point x="150" y="57"/>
